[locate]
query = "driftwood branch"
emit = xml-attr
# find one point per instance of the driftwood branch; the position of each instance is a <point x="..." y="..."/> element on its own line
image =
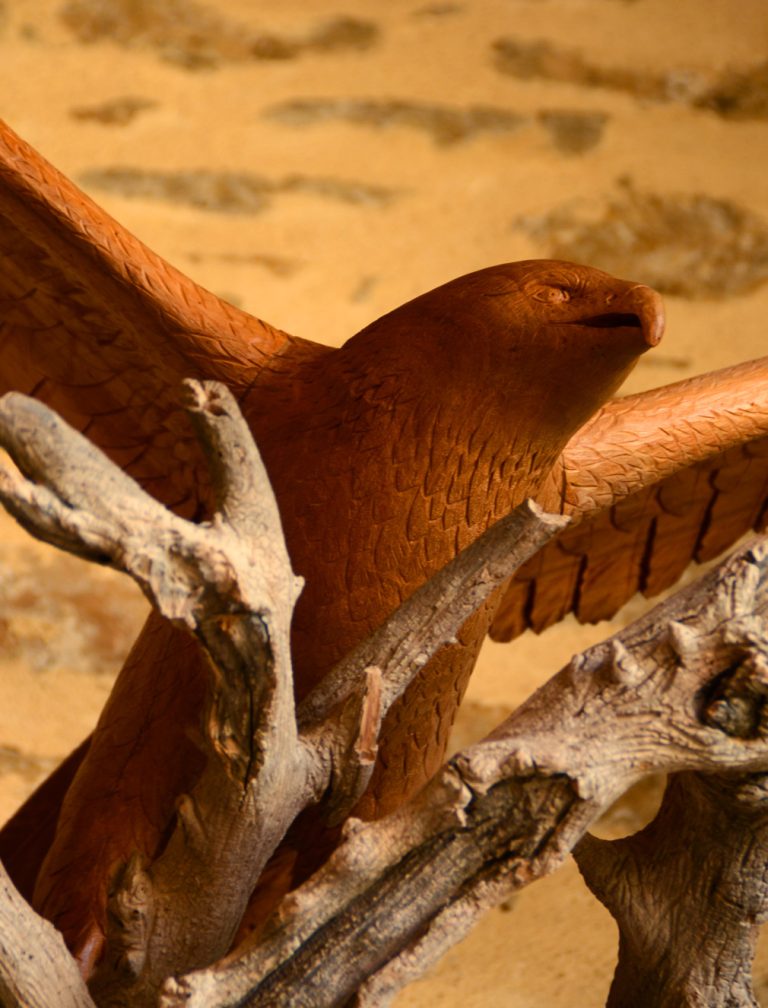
<point x="36" y="970"/>
<point x="425" y="622"/>
<point x="229" y="581"/>
<point x="681" y="691"/>
<point x="435" y="613"/>
<point x="508" y="810"/>
<point x="693" y="882"/>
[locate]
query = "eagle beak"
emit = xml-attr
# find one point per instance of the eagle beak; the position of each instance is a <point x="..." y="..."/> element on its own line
<point x="637" y="307"/>
<point x="650" y="310"/>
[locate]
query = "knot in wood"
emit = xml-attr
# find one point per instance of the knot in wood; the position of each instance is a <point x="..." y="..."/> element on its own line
<point x="130" y="913"/>
<point x="736" y="704"/>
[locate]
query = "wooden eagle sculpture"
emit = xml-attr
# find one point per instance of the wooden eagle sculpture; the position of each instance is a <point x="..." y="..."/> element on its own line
<point x="387" y="457"/>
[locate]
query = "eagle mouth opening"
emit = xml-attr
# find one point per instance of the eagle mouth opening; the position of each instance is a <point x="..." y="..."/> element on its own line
<point x="613" y="320"/>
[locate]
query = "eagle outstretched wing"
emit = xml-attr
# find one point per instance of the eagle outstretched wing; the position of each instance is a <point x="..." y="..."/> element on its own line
<point x="653" y="481"/>
<point x="104" y="330"/>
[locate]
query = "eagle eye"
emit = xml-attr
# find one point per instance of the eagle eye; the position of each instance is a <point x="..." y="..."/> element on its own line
<point x="552" y="294"/>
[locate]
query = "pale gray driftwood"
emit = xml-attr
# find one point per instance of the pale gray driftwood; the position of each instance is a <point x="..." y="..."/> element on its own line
<point x="694" y="879"/>
<point x="507" y="811"/>
<point x="36" y="970"/>
<point x="229" y="581"/>
<point x="399" y="649"/>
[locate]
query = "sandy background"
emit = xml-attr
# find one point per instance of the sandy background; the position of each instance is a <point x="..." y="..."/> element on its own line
<point x="318" y="164"/>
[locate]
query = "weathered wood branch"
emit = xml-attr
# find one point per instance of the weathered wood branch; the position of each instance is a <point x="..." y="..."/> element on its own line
<point x="434" y="614"/>
<point x="690" y="890"/>
<point x="509" y="809"/>
<point x="425" y="622"/>
<point x="683" y="690"/>
<point x="689" y="893"/>
<point x="229" y="581"/>
<point x="36" y="970"/>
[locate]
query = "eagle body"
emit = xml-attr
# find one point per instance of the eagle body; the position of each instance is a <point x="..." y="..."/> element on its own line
<point x="387" y="456"/>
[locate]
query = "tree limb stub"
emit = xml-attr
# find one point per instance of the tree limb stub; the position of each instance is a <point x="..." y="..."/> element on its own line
<point x="509" y="809"/>
<point x="418" y="628"/>
<point x="434" y="614"/>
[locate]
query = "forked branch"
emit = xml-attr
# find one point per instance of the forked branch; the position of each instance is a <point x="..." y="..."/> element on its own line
<point x="399" y="891"/>
<point x="229" y="581"/>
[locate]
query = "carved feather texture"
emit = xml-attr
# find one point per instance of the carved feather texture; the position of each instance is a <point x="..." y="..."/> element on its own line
<point x="104" y="330"/>
<point x="654" y="481"/>
<point x="387" y="457"/>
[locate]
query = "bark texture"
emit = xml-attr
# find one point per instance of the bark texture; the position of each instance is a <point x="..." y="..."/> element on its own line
<point x="509" y="809"/>
<point x="688" y="893"/>
<point x="36" y="970"/>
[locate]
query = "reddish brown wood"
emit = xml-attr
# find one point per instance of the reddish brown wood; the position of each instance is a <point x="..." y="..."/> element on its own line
<point x="387" y="456"/>
<point x="654" y="481"/>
